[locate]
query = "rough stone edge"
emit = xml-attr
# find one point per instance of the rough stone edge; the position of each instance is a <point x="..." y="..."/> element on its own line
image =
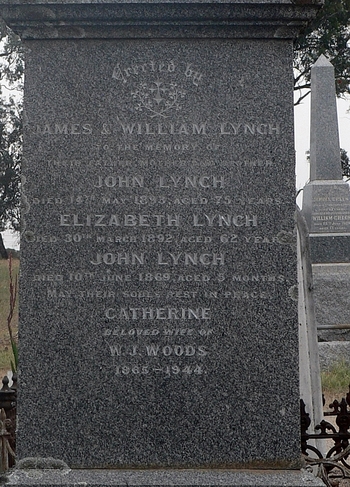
<point x="48" y="463"/>
<point x="65" y="477"/>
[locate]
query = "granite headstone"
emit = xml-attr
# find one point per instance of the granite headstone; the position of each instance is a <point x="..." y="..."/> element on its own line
<point x="326" y="199"/>
<point x="159" y="320"/>
<point x="331" y="292"/>
<point x="326" y="207"/>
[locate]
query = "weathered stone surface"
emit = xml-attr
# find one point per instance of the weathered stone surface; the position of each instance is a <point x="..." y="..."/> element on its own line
<point x="326" y="206"/>
<point x="183" y="478"/>
<point x="330" y="249"/>
<point x="326" y="199"/>
<point x="155" y="261"/>
<point x="158" y="247"/>
<point x="42" y="19"/>
<point x="331" y="293"/>
<point x="324" y="136"/>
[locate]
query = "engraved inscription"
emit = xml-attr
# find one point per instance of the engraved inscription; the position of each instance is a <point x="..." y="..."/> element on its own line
<point x="158" y="313"/>
<point x="170" y="244"/>
<point x="126" y="129"/>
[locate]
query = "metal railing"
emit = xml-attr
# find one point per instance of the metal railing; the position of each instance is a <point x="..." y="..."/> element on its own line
<point x="8" y="402"/>
<point x="335" y="462"/>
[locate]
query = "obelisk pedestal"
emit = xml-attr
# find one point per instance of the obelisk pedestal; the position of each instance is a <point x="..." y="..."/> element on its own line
<point x="326" y="199"/>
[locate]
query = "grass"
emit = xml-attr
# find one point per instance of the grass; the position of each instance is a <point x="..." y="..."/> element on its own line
<point x="335" y="381"/>
<point x="6" y="357"/>
<point x="5" y="345"/>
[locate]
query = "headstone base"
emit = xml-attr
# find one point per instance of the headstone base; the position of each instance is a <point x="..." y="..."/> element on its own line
<point x="161" y="478"/>
<point x="331" y="288"/>
<point x="327" y="249"/>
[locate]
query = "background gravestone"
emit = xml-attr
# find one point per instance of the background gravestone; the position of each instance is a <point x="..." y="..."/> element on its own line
<point x="331" y="292"/>
<point x="158" y="281"/>
<point x="326" y="207"/>
<point x="326" y="199"/>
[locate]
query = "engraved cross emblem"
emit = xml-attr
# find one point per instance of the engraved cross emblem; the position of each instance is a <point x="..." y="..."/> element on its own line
<point x="158" y="98"/>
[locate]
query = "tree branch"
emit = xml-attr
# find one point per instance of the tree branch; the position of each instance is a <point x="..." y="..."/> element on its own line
<point x="301" y="98"/>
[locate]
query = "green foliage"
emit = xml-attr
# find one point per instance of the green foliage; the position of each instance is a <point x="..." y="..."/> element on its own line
<point x="345" y="163"/>
<point x="11" y="55"/>
<point x="10" y="163"/>
<point x="337" y="379"/>
<point x="14" y="362"/>
<point x="327" y="34"/>
<point x="13" y="289"/>
<point x="11" y="75"/>
<point x="6" y="358"/>
<point x="6" y="350"/>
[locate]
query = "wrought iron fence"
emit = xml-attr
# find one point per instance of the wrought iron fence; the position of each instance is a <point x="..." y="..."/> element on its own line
<point x="334" y="460"/>
<point x="8" y="401"/>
